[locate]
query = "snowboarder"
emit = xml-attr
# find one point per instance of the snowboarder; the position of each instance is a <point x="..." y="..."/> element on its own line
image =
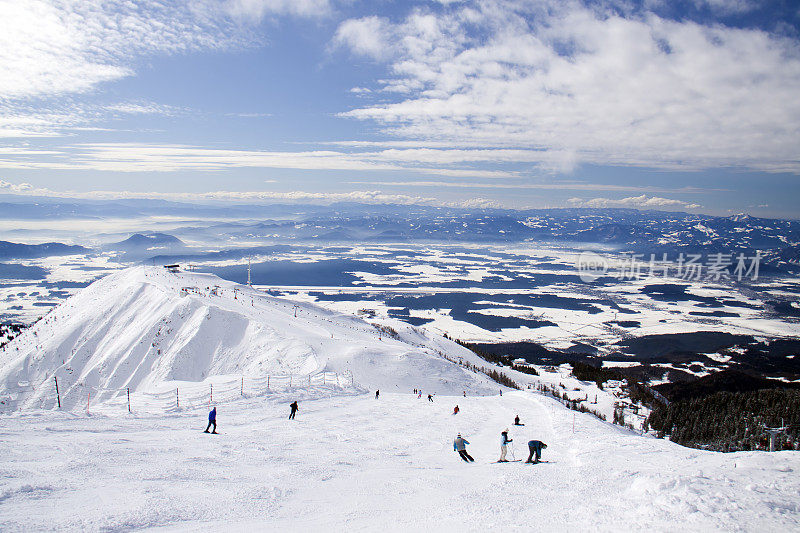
<point x="293" y="405"/>
<point x="516" y="421"/>
<point x="460" y="445"/>
<point x="455" y="411"/>
<point x="536" y="447"/>
<point x="377" y="393"/>
<point x="504" y="440"/>
<point x="430" y="398"/>
<point x="212" y="420"/>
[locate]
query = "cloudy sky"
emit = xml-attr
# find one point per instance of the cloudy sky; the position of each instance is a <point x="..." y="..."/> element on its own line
<point x="662" y="104"/>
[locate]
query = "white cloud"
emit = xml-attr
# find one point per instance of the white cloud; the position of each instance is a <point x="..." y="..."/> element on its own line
<point x="365" y="197"/>
<point x="636" y="202"/>
<point x="258" y="9"/>
<point x="728" y="7"/>
<point x="552" y="186"/>
<point x="50" y="47"/>
<point x="137" y="157"/>
<point x="144" y="108"/>
<point x="369" y="36"/>
<point x="585" y="85"/>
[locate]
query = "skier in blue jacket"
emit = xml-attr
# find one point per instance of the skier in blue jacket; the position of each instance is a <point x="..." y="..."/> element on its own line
<point x="460" y="446"/>
<point x="536" y="447"/>
<point x="212" y="420"/>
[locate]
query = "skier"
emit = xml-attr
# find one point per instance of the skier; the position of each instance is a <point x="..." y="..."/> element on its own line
<point x="419" y="395"/>
<point x="516" y="421"/>
<point x="460" y="445"/>
<point x="504" y="440"/>
<point x="212" y="420"/>
<point x="465" y="394"/>
<point x="430" y="398"/>
<point x="455" y="411"/>
<point x="536" y="447"/>
<point x="293" y="405"/>
<point x="377" y="393"/>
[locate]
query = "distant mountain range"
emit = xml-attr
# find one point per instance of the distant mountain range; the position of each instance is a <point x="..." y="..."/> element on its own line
<point x="628" y="230"/>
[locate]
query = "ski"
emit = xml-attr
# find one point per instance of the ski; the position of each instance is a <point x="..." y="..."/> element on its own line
<point x="510" y="461"/>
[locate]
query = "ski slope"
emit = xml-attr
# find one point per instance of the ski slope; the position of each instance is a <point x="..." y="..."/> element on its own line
<point x="144" y="329"/>
<point x="354" y="463"/>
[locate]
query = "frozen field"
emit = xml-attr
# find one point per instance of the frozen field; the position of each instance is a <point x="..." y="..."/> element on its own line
<point x="359" y="464"/>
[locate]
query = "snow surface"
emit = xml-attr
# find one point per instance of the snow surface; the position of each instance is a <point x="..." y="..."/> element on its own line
<point x="359" y="464"/>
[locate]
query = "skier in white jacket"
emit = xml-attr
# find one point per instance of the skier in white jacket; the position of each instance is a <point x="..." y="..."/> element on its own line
<point x="504" y="440"/>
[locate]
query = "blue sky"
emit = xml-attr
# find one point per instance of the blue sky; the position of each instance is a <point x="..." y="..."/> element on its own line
<point x="667" y="105"/>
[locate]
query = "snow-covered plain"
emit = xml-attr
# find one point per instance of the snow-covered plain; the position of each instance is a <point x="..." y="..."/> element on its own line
<point x="359" y="464"/>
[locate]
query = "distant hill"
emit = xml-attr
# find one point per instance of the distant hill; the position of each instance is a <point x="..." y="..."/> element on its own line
<point x="145" y="241"/>
<point x="13" y="250"/>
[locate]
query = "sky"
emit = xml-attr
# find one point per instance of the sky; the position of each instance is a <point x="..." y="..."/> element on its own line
<point x="679" y="105"/>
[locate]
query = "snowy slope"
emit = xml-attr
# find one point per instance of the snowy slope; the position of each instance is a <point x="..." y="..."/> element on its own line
<point x="359" y="464"/>
<point x="148" y="330"/>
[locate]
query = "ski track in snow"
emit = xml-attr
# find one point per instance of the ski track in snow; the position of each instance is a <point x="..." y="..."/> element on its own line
<point x="359" y="464"/>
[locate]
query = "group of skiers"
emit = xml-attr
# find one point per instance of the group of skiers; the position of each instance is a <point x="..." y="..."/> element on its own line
<point x="535" y="447"/>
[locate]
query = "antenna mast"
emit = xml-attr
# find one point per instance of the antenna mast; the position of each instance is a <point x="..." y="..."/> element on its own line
<point x="248" y="272"/>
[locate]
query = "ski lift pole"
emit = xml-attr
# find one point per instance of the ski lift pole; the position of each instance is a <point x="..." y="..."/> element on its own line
<point x="177" y="399"/>
<point x="211" y="398"/>
<point x="128" y="389"/>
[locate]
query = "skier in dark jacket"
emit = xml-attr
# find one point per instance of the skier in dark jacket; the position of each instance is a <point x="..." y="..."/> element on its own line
<point x="460" y="445"/>
<point x="293" y="405"/>
<point x="377" y="393"/>
<point x="536" y="447"/>
<point x="516" y="421"/>
<point x="212" y="420"/>
<point x="504" y="440"/>
<point x="430" y="398"/>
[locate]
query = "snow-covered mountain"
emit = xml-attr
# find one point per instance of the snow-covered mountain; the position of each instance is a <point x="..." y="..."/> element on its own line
<point x="144" y="327"/>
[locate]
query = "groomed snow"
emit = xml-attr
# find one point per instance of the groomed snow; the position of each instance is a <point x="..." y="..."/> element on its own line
<point x="354" y="463"/>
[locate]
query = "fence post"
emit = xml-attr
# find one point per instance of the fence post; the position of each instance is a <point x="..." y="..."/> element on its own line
<point x="58" y="396"/>
<point x="129" y="399"/>
<point x="242" y="386"/>
<point x="88" y="397"/>
<point x="267" y="383"/>
<point x="211" y="399"/>
<point x="177" y="399"/>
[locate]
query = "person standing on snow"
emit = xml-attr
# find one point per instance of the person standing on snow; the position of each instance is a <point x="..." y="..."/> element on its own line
<point x="516" y="421"/>
<point x="293" y="405"/>
<point x="460" y="445"/>
<point x="212" y="420"/>
<point x="377" y="393"/>
<point x="504" y="440"/>
<point x="536" y="447"/>
<point x="455" y="411"/>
